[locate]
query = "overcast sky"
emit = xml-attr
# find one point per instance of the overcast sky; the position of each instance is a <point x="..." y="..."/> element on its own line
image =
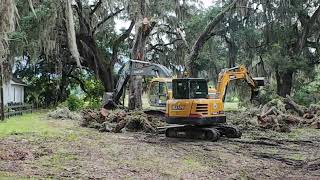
<point x="207" y="3"/>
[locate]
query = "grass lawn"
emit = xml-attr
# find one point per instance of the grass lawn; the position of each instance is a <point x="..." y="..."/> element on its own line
<point x="28" y="123"/>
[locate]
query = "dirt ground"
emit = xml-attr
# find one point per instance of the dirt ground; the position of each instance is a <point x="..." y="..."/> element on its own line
<point x="82" y="153"/>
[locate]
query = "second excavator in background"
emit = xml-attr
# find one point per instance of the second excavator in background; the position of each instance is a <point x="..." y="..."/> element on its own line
<point x="160" y="89"/>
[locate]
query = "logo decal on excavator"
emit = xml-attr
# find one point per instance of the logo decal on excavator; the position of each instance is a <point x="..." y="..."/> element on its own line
<point x="177" y="107"/>
<point x="215" y="106"/>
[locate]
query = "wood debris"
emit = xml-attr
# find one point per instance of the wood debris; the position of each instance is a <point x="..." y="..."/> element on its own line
<point x="283" y="113"/>
<point x="119" y="120"/>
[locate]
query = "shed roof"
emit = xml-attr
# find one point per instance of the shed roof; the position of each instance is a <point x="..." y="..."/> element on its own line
<point x="18" y="81"/>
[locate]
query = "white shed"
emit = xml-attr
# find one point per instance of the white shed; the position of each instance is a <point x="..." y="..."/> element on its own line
<point x="13" y="91"/>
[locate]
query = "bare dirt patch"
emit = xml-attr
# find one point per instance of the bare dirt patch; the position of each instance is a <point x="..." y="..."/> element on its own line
<point x="83" y="153"/>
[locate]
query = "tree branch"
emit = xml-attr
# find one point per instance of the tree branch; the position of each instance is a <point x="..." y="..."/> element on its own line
<point x="204" y="36"/>
<point x="105" y="19"/>
<point x="306" y="29"/>
<point x="81" y="83"/>
<point x="99" y="3"/>
<point x="181" y="35"/>
<point x="120" y="39"/>
<point x="84" y="25"/>
<point x="154" y="47"/>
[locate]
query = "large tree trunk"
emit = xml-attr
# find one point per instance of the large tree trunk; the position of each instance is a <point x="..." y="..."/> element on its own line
<point x="93" y="57"/>
<point x="285" y="78"/>
<point x="232" y="55"/>
<point x="284" y="82"/>
<point x="142" y="28"/>
<point x="95" y="60"/>
<point x="232" y="52"/>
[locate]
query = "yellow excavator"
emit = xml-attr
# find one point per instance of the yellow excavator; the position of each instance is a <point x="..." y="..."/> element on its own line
<point x="200" y="115"/>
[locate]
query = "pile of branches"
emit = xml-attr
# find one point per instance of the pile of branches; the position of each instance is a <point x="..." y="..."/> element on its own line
<point x="64" y="113"/>
<point x="283" y="113"/>
<point x="119" y="120"/>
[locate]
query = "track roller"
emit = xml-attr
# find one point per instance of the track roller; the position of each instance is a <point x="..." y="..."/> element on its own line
<point x="191" y="132"/>
<point x="229" y="131"/>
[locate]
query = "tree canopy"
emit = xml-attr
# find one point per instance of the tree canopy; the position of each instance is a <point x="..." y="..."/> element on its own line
<point x="58" y="46"/>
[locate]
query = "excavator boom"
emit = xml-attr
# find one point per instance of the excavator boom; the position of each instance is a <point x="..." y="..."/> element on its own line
<point x="236" y="73"/>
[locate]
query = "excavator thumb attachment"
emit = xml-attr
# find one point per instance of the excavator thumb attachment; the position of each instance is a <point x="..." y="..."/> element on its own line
<point x="259" y="81"/>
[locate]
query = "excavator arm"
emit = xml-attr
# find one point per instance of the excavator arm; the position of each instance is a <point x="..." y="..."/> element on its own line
<point x="236" y="73"/>
<point x="133" y="68"/>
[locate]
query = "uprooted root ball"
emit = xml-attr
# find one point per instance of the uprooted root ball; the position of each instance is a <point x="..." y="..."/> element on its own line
<point x="120" y="120"/>
<point x="283" y="113"/>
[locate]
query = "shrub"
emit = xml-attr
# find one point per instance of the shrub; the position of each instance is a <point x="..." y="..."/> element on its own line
<point x="74" y="103"/>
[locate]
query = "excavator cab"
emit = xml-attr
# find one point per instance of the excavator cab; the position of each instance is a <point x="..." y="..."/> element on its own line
<point x="160" y="90"/>
<point x="190" y="103"/>
<point x="190" y="88"/>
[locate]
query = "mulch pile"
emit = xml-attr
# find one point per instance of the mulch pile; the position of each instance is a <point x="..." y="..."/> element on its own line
<point x="120" y="120"/>
<point x="283" y="113"/>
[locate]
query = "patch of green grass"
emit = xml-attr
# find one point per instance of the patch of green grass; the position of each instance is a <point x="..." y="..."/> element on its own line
<point x="270" y="150"/>
<point x="296" y="157"/>
<point x="193" y="163"/>
<point x="231" y="106"/>
<point x="29" y="123"/>
<point x="9" y="176"/>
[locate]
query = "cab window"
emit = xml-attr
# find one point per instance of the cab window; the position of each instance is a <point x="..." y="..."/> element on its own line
<point x="198" y="89"/>
<point x="180" y="89"/>
<point x="154" y="88"/>
<point x="162" y="88"/>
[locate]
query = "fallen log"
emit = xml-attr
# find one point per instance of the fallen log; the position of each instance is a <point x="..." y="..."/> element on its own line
<point x="301" y="110"/>
<point x="315" y="125"/>
<point x="119" y="126"/>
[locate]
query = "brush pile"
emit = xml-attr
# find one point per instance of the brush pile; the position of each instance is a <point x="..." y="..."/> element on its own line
<point x="283" y="113"/>
<point x="64" y="113"/>
<point x="120" y="120"/>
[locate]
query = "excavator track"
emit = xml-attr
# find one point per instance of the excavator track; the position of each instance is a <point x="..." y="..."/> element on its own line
<point x="212" y="133"/>
<point x="229" y="131"/>
<point x="193" y="132"/>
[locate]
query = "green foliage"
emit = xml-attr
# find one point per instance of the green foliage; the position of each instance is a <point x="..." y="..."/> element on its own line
<point x="74" y="103"/>
<point x="93" y="103"/>
<point x="267" y="34"/>
<point x="309" y="93"/>
<point x="267" y="93"/>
